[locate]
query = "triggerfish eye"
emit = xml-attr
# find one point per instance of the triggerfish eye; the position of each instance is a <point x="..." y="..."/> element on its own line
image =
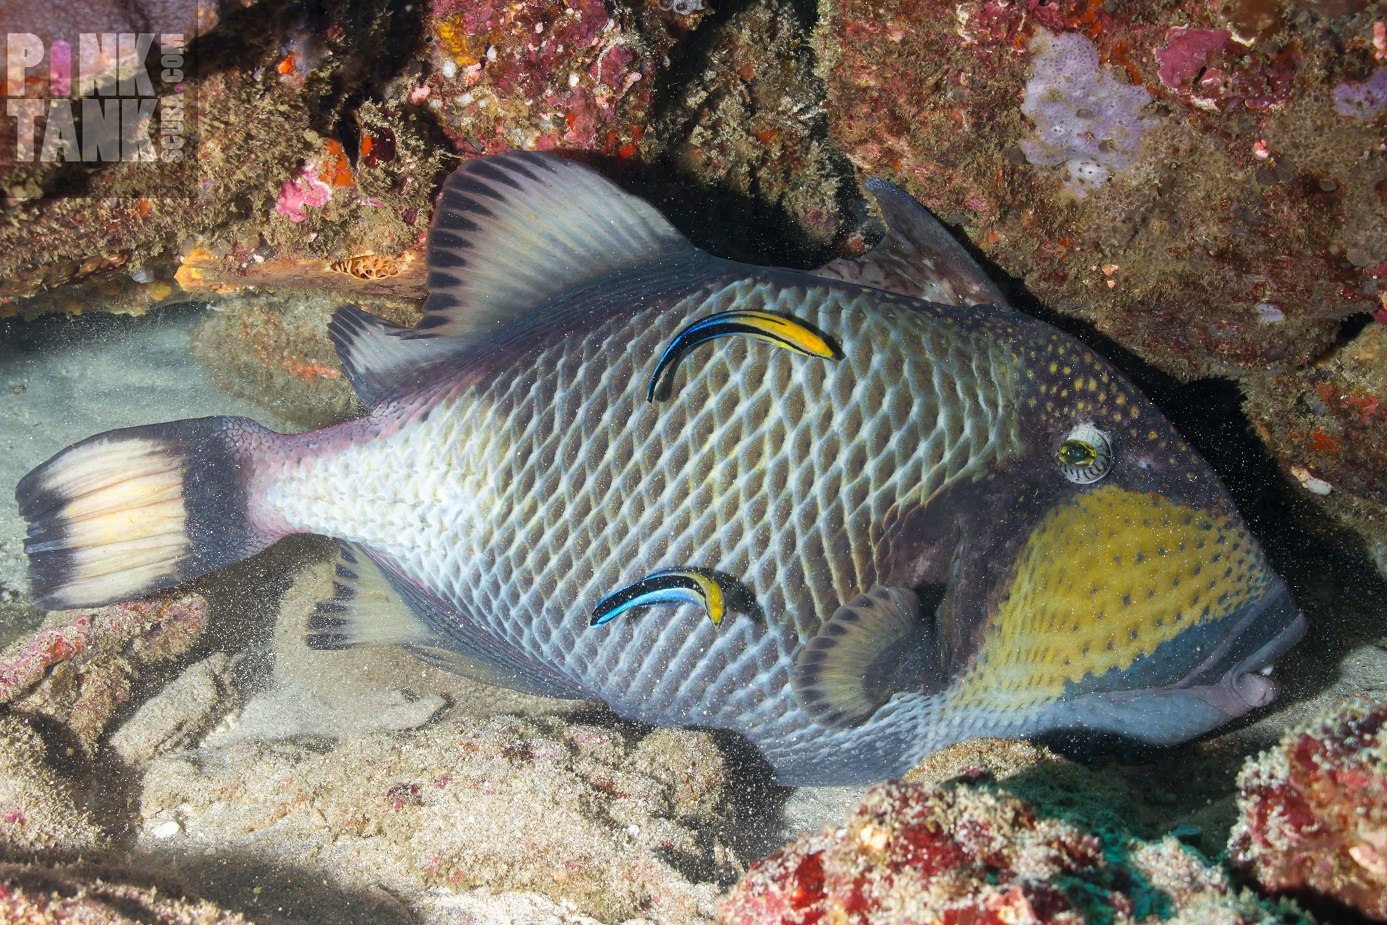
<point x="1085" y="456"/>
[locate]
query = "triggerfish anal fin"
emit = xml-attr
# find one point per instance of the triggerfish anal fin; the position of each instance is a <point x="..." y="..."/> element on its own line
<point x="365" y="609"/>
<point x="516" y="230"/>
<point x="373" y="604"/>
<point x="715" y="593"/>
<point x="917" y="257"/>
<point x="874" y="646"/>
<point x="779" y="330"/>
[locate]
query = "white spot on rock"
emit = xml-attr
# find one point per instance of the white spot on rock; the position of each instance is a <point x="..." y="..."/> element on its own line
<point x="167" y="829"/>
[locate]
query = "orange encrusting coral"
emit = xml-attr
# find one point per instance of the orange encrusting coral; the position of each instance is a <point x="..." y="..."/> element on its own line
<point x="337" y="170"/>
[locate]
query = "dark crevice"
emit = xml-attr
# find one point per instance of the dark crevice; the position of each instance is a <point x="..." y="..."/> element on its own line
<point x="1351" y="327"/>
<point x="749" y="227"/>
<point x="689" y="56"/>
<point x="1327" y="569"/>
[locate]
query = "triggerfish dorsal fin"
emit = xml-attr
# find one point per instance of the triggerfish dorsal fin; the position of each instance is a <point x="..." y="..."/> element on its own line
<point x="513" y="231"/>
<point x="917" y="257"/>
<point x="380" y="358"/>
<point x="874" y="646"/>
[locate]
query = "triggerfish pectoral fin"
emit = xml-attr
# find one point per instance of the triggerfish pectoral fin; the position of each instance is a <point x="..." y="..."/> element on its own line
<point x="782" y="331"/>
<point x="668" y="586"/>
<point x="875" y="646"/>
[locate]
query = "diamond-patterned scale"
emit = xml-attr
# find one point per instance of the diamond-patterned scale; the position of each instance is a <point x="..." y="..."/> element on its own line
<point x="776" y="469"/>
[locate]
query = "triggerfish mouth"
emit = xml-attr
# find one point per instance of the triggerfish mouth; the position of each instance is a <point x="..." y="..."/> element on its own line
<point x="854" y="515"/>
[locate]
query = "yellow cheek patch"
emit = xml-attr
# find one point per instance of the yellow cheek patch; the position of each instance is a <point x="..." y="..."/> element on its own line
<point x="1102" y="580"/>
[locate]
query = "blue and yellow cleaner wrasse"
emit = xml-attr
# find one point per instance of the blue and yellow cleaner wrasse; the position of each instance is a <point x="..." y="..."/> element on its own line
<point x="854" y="515"/>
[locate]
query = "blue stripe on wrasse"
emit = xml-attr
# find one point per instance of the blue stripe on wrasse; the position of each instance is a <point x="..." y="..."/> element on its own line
<point x="779" y="330"/>
<point x="667" y="586"/>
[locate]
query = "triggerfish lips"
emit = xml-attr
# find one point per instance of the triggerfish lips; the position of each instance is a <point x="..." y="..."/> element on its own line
<point x="1132" y="612"/>
<point x="1233" y="679"/>
<point x="1236" y="677"/>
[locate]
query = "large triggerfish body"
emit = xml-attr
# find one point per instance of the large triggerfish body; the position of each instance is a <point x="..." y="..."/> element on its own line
<point x="854" y="515"/>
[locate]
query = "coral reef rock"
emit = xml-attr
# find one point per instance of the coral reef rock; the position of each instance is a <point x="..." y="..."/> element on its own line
<point x="1313" y="809"/>
<point x="273" y="349"/>
<point x="82" y="665"/>
<point x="39" y="810"/>
<point x="747" y="125"/>
<point x="1238" y="186"/>
<point x="1327" y="425"/>
<point x="263" y="112"/>
<point x="38" y="896"/>
<point x="536" y="75"/>
<point x="1201" y="182"/>
<point x="964" y="852"/>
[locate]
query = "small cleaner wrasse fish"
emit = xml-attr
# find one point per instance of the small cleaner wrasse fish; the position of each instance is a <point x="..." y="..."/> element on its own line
<point x="854" y="515"/>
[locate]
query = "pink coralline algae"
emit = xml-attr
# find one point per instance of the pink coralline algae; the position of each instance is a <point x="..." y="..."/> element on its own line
<point x="557" y="73"/>
<point x="1187" y="55"/>
<point x="964" y="854"/>
<point x="1208" y="69"/>
<point x="304" y="190"/>
<point x="1364" y="101"/>
<point x="79" y="669"/>
<point x="1313" y="810"/>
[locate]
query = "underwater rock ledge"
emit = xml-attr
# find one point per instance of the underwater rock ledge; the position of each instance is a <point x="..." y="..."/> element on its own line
<point x="1313" y="810"/>
<point x="1177" y="174"/>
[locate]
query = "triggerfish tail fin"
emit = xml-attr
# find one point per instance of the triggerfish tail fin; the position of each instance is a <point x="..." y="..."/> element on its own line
<point x="128" y="512"/>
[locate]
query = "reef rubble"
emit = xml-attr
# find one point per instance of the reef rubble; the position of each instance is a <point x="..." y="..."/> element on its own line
<point x="1313" y="810"/>
<point x="964" y="852"/>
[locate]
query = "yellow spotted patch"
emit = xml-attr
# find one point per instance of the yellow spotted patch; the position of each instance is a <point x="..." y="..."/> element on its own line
<point x="1102" y="580"/>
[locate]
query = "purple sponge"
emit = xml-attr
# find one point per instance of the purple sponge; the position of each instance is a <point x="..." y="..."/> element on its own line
<point x="1086" y="122"/>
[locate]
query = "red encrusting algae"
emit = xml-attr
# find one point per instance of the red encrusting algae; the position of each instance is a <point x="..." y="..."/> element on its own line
<point x="1313" y="810"/>
<point x="967" y="853"/>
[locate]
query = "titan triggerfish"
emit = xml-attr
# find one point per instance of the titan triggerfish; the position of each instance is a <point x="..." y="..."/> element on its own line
<point x="854" y="515"/>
